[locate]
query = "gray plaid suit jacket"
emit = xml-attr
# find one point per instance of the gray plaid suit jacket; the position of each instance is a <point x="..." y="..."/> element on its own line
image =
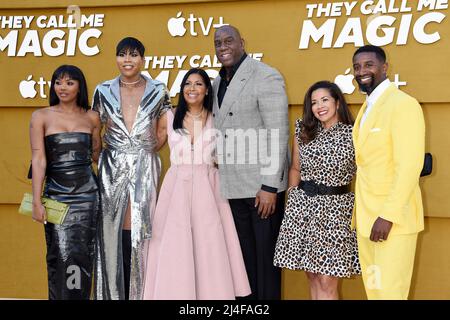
<point x="253" y="127"/>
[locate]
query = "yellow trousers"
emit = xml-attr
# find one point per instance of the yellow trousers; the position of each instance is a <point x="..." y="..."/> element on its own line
<point x="387" y="266"/>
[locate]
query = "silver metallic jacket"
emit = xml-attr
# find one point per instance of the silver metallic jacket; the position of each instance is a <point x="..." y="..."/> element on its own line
<point x="129" y="169"/>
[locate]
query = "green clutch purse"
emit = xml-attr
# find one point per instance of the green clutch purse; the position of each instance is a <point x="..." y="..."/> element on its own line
<point x="56" y="211"/>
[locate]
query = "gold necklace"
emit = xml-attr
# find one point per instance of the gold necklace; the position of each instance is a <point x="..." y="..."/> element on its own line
<point x="196" y="116"/>
<point x="134" y="84"/>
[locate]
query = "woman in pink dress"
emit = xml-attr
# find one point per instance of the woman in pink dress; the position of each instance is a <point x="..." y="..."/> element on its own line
<point x="194" y="253"/>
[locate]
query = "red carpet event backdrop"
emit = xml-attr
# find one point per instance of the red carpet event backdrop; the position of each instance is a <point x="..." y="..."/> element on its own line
<point x="306" y="40"/>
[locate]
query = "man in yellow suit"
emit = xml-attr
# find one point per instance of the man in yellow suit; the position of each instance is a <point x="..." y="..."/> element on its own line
<point x="389" y="139"/>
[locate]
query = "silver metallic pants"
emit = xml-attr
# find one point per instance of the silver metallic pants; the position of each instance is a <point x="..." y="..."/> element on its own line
<point x="126" y="175"/>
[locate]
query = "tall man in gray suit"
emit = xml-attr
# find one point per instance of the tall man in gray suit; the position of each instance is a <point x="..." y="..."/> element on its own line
<point x="251" y="112"/>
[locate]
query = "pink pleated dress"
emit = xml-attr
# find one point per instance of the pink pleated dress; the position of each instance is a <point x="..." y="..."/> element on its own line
<point x="194" y="252"/>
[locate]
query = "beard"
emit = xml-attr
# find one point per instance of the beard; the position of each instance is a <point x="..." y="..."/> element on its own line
<point x="367" y="87"/>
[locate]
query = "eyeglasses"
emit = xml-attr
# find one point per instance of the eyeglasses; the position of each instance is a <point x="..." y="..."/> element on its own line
<point x="193" y="85"/>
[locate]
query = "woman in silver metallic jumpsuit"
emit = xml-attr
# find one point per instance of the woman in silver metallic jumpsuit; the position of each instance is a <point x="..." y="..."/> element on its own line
<point x="129" y="168"/>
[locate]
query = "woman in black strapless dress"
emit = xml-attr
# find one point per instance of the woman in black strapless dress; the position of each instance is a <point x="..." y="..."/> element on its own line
<point x="65" y="138"/>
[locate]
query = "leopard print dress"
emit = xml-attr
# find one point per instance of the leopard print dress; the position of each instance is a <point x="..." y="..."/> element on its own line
<point x="315" y="234"/>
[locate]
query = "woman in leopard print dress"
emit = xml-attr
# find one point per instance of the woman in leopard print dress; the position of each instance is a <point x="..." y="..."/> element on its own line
<point x="315" y="234"/>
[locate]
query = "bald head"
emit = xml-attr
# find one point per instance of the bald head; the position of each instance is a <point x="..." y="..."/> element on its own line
<point x="229" y="29"/>
<point x="229" y="46"/>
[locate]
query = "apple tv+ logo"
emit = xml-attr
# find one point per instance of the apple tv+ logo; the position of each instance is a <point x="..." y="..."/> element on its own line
<point x="345" y="82"/>
<point x="177" y="27"/>
<point x="27" y="88"/>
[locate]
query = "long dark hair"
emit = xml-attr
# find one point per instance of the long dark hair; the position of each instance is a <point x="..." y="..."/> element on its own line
<point x="181" y="109"/>
<point x="73" y="73"/>
<point x="310" y="123"/>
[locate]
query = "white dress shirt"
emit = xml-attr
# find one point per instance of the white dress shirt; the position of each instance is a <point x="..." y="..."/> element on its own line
<point x="372" y="99"/>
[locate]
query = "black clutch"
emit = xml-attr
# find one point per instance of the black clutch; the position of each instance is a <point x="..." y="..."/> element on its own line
<point x="427" y="165"/>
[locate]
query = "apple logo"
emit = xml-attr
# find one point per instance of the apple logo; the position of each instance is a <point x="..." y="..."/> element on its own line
<point x="26" y="88"/>
<point x="176" y="26"/>
<point x="345" y="82"/>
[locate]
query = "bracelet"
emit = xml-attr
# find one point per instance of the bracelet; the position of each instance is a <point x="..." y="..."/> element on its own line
<point x="290" y="188"/>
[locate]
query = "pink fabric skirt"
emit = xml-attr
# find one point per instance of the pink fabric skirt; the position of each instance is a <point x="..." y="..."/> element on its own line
<point x="194" y="253"/>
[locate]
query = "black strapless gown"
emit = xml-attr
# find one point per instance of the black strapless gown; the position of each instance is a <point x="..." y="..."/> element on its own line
<point x="70" y="246"/>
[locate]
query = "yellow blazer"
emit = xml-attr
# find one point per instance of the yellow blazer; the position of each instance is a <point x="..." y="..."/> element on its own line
<point x="389" y="151"/>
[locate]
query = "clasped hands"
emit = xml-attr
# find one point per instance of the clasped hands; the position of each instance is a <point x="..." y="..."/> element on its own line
<point x="380" y="230"/>
<point x="266" y="203"/>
